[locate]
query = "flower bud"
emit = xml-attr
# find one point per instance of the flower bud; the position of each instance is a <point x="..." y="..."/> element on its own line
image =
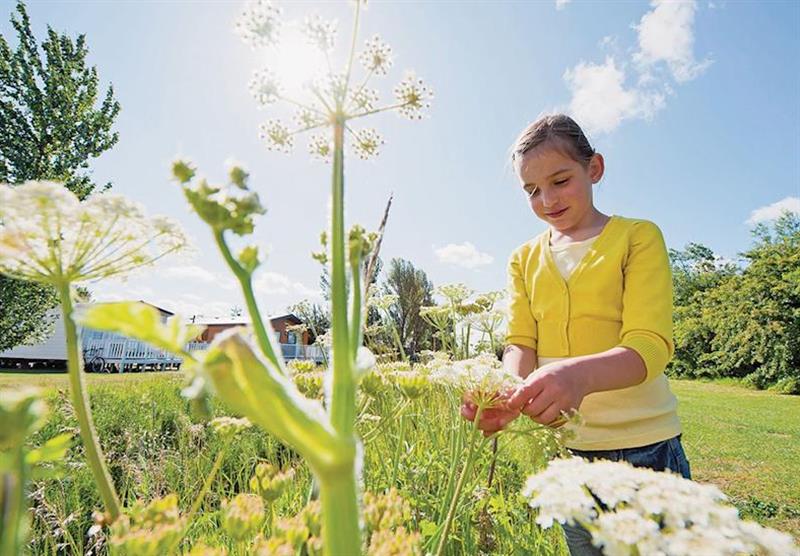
<point x="243" y="516"/>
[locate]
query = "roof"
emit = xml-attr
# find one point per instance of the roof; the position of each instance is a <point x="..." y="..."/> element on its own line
<point x="237" y="321"/>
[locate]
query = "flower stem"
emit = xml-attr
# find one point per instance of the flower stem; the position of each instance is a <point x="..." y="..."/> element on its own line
<point x="246" y="284"/>
<point x="12" y="502"/>
<point x="83" y="411"/>
<point x="340" y="531"/>
<point x="473" y="437"/>
<point x="343" y="400"/>
<point x="203" y="491"/>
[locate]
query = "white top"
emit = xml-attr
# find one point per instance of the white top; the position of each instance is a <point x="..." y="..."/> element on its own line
<point x="568" y="255"/>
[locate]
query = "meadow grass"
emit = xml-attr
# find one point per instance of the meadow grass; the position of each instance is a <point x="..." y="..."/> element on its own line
<point x="745" y="441"/>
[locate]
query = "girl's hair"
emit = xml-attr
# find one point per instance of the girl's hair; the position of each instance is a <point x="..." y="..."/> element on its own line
<point x="560" y="131"/>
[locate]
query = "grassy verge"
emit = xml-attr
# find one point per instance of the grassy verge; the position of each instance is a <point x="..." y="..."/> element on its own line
<point x="748" y="443"/>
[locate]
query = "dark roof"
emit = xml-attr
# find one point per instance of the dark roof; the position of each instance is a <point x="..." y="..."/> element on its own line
<point x="170" y="313"/>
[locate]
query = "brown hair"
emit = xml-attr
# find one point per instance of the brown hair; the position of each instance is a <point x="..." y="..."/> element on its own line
<point x="561" y="131"/>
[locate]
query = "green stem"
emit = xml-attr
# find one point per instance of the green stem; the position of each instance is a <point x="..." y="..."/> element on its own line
<point x="343" y="400"/>
<point x="12" y="504"/>
<point x="340" y="531"/>
<point x="203" y="491"/>
<point x="246" y="283"/>
<point x="397" y="450"/>
<point x="355" y="310"/>
<point x="457" y="493"/>
<point x="83" y="411"/>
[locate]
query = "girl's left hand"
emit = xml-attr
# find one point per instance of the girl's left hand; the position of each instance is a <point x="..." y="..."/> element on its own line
<point x="548" y="391"/>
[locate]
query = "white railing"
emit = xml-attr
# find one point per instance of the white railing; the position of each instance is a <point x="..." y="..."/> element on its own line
<point x="106" y="348"/>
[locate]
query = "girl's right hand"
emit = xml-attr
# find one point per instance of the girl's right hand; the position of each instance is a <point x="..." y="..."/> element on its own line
<point x="492" y="419"/>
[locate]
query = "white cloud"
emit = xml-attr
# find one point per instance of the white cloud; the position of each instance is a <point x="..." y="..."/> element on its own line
<point x="464" y="254"/>
<point x="561" y="4"/>
<point x="600" y="101"/>
<point x="773" y="211"/>
<point x="274" y="283"/>
<point x="666" y="34"/>
<point x="199" y="274"/>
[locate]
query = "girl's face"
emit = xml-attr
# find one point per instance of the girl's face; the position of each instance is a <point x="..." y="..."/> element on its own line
<point x="559" y="189"/>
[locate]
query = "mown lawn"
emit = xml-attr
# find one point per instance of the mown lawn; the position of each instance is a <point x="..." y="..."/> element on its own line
<point x="747" y="442"/>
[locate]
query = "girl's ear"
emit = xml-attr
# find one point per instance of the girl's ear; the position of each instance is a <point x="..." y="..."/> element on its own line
<point x="597" y="167"/>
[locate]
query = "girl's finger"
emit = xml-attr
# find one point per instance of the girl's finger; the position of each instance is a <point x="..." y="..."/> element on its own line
<point x="535" y="406"/>
<point x="524" y="393"/>
<point x="548" y="415"/>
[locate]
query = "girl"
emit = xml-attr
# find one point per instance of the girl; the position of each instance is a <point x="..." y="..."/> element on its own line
<point x="590" y="315"/>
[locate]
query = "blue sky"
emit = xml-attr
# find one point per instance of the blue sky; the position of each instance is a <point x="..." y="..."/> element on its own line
<point x="695" y="106"/>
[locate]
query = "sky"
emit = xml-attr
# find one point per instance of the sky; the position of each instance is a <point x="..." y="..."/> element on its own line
<point x="694" y="105"/>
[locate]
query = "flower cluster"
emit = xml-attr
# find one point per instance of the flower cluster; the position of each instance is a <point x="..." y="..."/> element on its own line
<point x="243" y="516"/>
<point x="149" y="530"/>
<point x="47" y="235"/>
<point x="481" y="378"/>
<point x="640" y="511"/>
<point x="269" y="483"/>
<point x="228" y="427"/>
<point x="336" y="96"/>
<point x="259" y="25"/>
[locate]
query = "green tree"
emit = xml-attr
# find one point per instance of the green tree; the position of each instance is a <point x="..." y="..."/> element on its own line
<point x="695" y="270"/>
<point x="756" y="314"/>
<point x="414" y="290"/>
<point x="50" y="127"/>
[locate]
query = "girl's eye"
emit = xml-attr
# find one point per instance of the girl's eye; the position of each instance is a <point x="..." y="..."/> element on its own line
<point x="532" y="192"/>
<point x="562" y="182"/>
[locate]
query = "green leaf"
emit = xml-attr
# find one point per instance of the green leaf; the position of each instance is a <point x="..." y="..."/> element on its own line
<point x="51" y="451"/>
<point x="141" y="322"/>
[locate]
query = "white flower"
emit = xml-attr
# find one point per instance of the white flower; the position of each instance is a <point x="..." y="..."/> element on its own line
<point x="264" y="87"/>
<point x="367" y="143"/>
<point x="482" y="377"/>
<point x="413" y="97"/>
<point x="618" y="531"/>
<point x="658" y="513"/>
<point x="383" y="302"/>
<point x="306" y="118"/>
<point x="377" y="57"/>
<point x="321" y="146"/>
<point x="259" y="23"/>
<point x="277" y="136"/>
<point x="47" y="235"/>
<point x="455" y="293"/>
<point x="319" y="32"/>
<point x="364" y="99"/>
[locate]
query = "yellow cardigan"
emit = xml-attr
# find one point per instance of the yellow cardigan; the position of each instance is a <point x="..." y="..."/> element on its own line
<point x="620" y="294"/>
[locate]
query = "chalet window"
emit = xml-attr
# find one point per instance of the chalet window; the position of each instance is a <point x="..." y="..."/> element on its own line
<point x="291" y="338"/>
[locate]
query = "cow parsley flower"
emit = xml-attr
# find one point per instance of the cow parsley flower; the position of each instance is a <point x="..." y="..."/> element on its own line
<point x="264" y="87"/>
<point x="364" y="99"/>
<point x="377" y="56"/>
<point x="413" y="97"/>
<point x="259" y="24"/>
<point x="277" y="136"/>
<point x="48" y="236"/>
<point x="306" y="118"/>
<point x="320" y="146"/>
<point x="319" y="32"/>
<point x="482" y="378"/>
<point x="632" y="510"/>
<point x="367" y="143"/>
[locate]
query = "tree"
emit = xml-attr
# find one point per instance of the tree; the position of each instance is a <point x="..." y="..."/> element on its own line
<point x="50" y="127"/>
<point x="414" y="290"/>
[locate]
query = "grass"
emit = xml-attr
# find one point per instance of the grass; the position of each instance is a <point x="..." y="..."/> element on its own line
<point x="745" y="441"/>
<point x="748" y="443"/>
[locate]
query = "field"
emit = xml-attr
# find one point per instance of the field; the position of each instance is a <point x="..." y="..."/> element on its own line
<point x="742" y="440"/>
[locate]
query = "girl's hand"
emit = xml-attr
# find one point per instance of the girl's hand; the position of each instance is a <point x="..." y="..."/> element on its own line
<point x="548" y="391"/>
<point x="493" y="419"/>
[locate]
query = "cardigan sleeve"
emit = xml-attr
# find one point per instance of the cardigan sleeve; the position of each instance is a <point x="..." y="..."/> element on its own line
<point x="647" y="299"/>
<point x="521" y="324"/>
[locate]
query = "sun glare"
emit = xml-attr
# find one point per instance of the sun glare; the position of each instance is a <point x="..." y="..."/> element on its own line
<point x="296" y="62"/>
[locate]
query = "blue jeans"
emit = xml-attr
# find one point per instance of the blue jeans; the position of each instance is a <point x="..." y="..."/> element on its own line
<point x="667" y="454"/>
